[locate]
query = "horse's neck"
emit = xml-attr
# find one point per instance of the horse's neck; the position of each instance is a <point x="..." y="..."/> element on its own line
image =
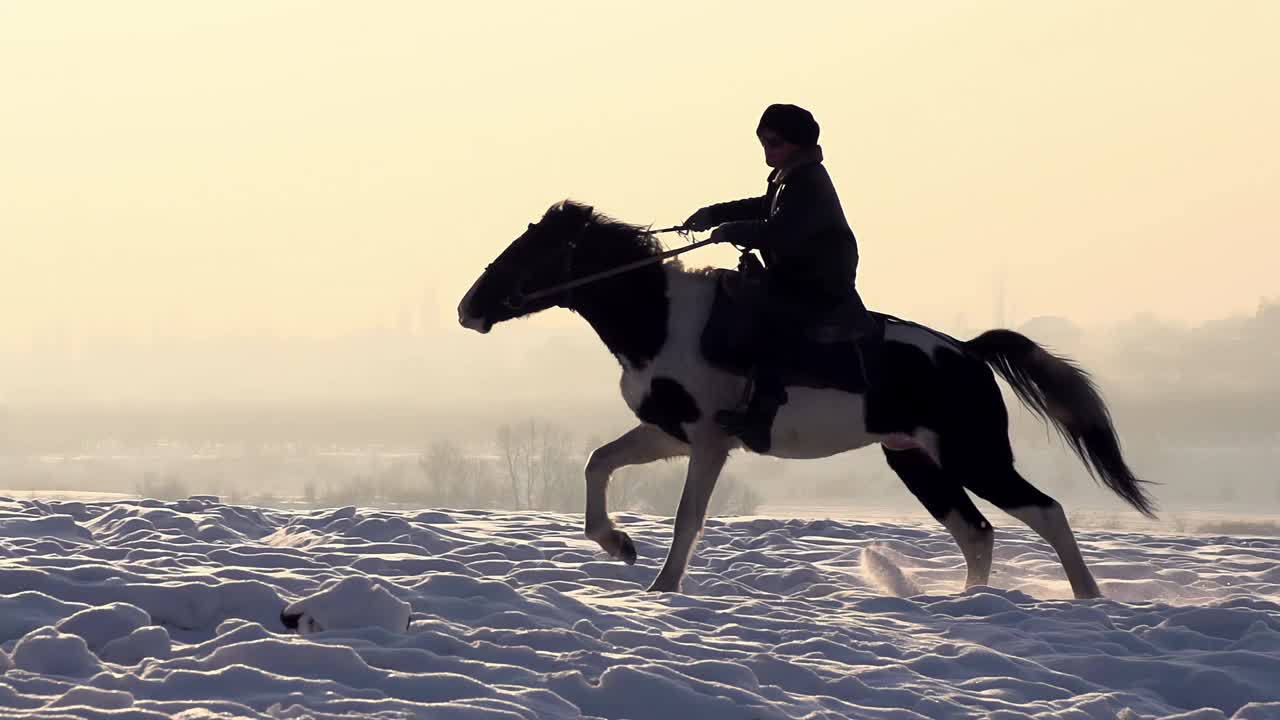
<point x="630" y="312"/>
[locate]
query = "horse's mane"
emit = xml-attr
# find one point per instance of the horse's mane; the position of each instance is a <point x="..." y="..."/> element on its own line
<point x="633" y="241"/>
<point x="633" y="237"/>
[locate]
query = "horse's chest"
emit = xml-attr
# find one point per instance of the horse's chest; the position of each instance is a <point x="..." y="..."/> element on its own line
<point x="678" y="363"/>
<point x="661" y="401"/>
<point x="635" y="387"/>
<point x="678" y="388"/>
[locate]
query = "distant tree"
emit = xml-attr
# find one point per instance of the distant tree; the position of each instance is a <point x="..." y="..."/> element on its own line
<point x="455" y="480"/>
<point x="443" y="468"/>
<point x="514" y="453"/>
<point x="733" y="497"/>
<point x="560" y="471"/>
<point x="541" y="468"/>
<point x="162" y="487"/>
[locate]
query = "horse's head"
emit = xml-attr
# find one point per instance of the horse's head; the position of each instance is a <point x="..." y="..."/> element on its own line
<point x="541" y="258"/>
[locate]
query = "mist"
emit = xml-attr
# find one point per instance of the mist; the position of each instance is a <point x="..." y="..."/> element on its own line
<point x="273" y="418"/>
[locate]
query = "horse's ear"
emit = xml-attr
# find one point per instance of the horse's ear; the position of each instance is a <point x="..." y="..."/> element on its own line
<point x="569" y="206"/>
<point x="555" y="209"/>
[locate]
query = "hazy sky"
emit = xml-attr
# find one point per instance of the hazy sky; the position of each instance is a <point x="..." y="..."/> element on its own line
<point x="311" y="167"/>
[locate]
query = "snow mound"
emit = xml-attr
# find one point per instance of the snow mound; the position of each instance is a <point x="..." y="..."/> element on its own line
<point x="352" y="602"/>
<point x="100" y="625"/>
<point x="48" y="652"/>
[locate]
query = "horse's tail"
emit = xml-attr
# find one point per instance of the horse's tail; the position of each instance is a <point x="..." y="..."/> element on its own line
<point x="1064" y="395"/>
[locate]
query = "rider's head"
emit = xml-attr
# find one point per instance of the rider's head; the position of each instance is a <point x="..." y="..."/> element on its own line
<point x="785" y="130"/>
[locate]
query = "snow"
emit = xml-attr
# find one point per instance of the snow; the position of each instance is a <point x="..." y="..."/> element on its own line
<point x="146" y="609"/>
<point x="355" y="601"/>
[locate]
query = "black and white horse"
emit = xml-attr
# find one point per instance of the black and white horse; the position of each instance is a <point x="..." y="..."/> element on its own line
<point x="935" y="409"/>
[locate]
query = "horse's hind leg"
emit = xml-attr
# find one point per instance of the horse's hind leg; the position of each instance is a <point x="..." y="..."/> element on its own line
<point x="947" y="501"/>
<point x="975" y="450"/>
<point x="640" y="445"/>
<point x="1006" y="489"/>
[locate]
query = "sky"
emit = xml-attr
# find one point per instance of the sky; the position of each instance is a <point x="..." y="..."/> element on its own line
<point x="311" y="168"/>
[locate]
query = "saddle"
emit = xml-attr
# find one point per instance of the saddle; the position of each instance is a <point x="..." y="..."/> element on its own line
<point x="840" y="349"/>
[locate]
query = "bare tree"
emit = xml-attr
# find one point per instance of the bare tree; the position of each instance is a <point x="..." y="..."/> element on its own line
<point x="512" y="452"/>
<point x="733" y="497"/>
<point x="542" y="470"/>
<point x="442" y="466"/>
<point x="562" y="484"/>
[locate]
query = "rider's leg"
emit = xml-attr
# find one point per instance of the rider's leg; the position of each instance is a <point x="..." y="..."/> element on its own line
<point x="752" y="425"/>
<point x="778" y="320"/>
<point x="869" y="339"/>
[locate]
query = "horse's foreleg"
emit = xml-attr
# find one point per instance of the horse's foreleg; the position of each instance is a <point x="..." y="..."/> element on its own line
<point x="642" y="444"/>
<point x="705" y="463"/>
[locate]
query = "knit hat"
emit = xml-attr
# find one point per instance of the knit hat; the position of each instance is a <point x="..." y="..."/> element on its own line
<point x="792" y="123"/>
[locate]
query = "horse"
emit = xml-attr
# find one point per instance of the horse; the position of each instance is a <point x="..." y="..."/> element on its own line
<point x="935" y="407"/>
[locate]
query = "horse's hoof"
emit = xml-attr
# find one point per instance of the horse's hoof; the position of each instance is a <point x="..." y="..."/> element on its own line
<point x="627" y="548"/>
<point x="619" y="546"/>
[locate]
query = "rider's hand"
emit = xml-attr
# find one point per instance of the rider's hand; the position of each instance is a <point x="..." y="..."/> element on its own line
<point x="718" y="235"/>
<point x="700" y="220"/>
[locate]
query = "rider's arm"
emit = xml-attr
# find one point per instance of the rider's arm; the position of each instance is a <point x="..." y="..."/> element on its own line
<point x="796" y="219"/>
<point x="755" y="208"/>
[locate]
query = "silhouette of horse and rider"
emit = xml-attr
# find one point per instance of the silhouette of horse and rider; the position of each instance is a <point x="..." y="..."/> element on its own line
<point x="783" y="359"/>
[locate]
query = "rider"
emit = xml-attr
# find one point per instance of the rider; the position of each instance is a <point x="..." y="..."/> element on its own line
<point x="810" y="254"/>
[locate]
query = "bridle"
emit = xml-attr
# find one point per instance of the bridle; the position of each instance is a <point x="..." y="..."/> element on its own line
<point x="518" y="298"/>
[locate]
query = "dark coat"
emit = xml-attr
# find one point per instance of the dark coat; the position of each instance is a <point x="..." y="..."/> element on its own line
<point x="800" y="230"/>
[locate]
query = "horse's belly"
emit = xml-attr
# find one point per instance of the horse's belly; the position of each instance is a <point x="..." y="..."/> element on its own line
<point x="818" y="423"/>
